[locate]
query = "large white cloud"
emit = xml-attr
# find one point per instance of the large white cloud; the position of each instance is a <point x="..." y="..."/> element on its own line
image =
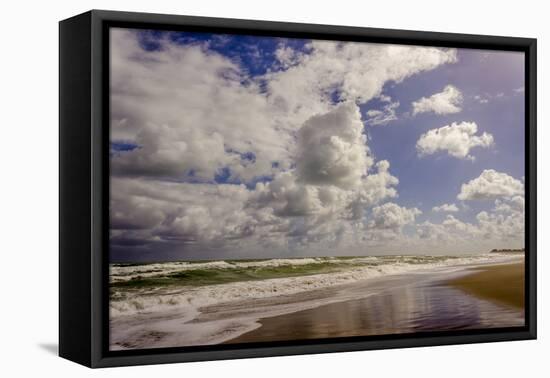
<point x="457" y="139"/>
<point x="355" y="71"/>
<point x="491" y="185"/>
<point x="190" y="111"/>
<point x="448" y="101"/>
<point x="194" y="113"/>
<point x="311" y="179"/>
<point x="290" y="197"/>
<point x="334" y="172"/>
<point x="281" y="214"/>
<point x="332" y="149"/>
<point x="299" y="206"/>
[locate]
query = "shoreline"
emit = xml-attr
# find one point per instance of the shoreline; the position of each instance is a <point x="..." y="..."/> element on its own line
<point x="365" y="317"/>
<point x="501" y="283"/>
<point x="386" y="304"/>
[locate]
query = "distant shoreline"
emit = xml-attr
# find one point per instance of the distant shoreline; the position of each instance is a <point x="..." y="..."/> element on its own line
<point x="249" y="259"/>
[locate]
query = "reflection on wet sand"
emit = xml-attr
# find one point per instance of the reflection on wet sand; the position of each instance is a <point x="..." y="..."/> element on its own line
<point x="410" y="305"/>
<point x="432" y="299"/>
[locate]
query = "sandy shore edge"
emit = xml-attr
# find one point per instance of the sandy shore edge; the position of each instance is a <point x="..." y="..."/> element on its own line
<point x="487" y="282"/>
<point x="500" y="283"/>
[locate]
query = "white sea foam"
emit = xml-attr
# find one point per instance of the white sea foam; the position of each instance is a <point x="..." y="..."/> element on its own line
<point x="129" y="272"/>
<point x="191" y="299"/>
<point x="167" y="316"/>
<point x="121" y="272"/>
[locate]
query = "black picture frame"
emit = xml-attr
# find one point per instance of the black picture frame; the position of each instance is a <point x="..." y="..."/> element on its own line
<point x="84" y="187"/>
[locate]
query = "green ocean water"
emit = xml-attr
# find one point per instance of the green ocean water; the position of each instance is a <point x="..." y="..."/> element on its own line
<point x="200" y="273"/>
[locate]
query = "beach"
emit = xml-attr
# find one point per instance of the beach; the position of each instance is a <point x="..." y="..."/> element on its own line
<point x="427" y="306"/>
<point x="503" y="284"/>
<point x="366" y="299"/>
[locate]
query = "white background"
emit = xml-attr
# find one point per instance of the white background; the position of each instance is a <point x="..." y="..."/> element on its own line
<point x="29" y="188"/>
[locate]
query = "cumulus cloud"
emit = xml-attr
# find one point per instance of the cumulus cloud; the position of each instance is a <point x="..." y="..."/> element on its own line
<point x="281" y="214"/>
<point x="506" y="227"/>
<point x="318" y="203"/>
<point x="334" y="171"/>
<point x="448" y="101"/>
<point x="213" y="158"/>
<point x="332" y="149"/>
<point x="193" y="113"/>
<point x="288" y="197"/>
<point x="490" y="229"/>
<point x="457" y="139"/>
<point x="503" y="226"/>
<point x="510" y="205"/>
<point x="392" y="216"/>
<point x="189" y="114"/>
<point x="446" y="207"/>
<point x="375" y="188"/>
<point x="351" y="71"/>
<point x="451" y="231"/>
<point x="491" y="185"/>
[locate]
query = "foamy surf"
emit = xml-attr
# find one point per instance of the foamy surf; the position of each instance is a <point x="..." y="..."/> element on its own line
<point x="172" y="314"/>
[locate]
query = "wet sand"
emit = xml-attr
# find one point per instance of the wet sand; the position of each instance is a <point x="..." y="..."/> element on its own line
<point x="434" y="304"/>
<point x="501" y="283"/>
<point x="446" y="297"/>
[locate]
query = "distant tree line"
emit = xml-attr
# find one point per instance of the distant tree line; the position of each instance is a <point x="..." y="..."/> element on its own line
<point x="506" y="250"/>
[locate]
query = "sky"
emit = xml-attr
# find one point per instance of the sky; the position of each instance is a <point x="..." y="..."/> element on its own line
<point x="231" y="146"/>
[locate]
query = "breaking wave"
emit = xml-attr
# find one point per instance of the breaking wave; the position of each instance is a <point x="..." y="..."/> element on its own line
<point x="189" y="286"/>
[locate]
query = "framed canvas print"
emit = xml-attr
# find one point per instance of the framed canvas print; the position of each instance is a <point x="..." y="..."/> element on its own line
<point x="234" y="188"/>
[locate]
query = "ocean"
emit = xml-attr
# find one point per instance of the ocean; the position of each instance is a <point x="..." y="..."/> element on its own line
<point x="186" y="303"/>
